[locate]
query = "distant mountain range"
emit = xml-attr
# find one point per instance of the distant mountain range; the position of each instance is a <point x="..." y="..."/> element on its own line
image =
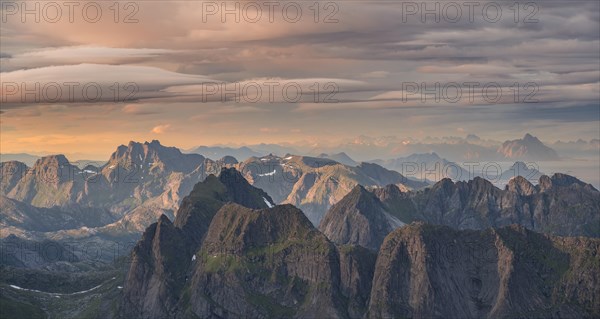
<point x="454" y="148"/>
<point x="243" y="152"/>
<point x="28" y="159"/>
<point x="138" y="183"/>
<point x="142" y="181"/>
<point x="341" y="158"/>
<point x="363" y="148"/>
<point x="314" y="184"/>
<point x="431" y="167"/>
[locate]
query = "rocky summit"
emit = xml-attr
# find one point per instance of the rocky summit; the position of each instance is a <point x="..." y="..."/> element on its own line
<point x="161" y="259"/>
<point x="360" y="218"/>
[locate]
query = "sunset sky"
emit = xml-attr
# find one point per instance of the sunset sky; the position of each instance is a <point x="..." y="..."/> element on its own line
<point x="368" y="53"/>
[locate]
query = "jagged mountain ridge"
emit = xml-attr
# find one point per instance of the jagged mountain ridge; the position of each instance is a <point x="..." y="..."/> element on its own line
<point x="272" y="262"/>
<point x="314" y="184"/>
<point x="139" y="182"/>
<point x="560" y="205"/>
<point x="142" y="181"/>
<point x="431" y="167"/>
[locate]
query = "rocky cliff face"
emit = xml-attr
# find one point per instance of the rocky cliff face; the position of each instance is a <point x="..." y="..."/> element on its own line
<point x="358" y="219"/>
<point x="10" y="175"/>
<point x="227" y="260"/>
<point x="157" y="272"/>
<point x="357" y="266"/>
<point x="161" y="259"/>
<point x="426" y="271"/>
<point x="560" y="205"/>
<point x="264" y="263"/>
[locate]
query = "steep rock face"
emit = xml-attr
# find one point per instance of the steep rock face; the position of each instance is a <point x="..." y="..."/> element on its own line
<point x="560" y="205"/>
<point x="426" y="271"/>
<point x="357" y="265"/>
<point x="198" y="208"/>
<point x="160" y="262"/>
<point x="358" y="219"/>
<point x="50" y="182"/>
<point x="264" y="263"/>
<point x="398" y="203"/>
<point x="157" y="271"/>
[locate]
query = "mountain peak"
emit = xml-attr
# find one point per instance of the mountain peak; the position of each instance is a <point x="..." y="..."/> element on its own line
<point x="359" y="189"/>
<point x="208" y="196"/>
<point x="52" y="161"/>
<point x="562" y="180"/>
<point x="154" y="142"/>
<point x="527" y="148"/>
<point x="358" y="219"/>
<point x="520" y="185"/>
<point x="155" y="154"/>
<point x="228" y="160"/>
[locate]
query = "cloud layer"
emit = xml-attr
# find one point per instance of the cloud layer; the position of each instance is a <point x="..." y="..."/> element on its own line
<point x="364" y="56"/>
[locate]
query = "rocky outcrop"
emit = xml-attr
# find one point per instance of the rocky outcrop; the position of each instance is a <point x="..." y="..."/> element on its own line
<point x="427" y="271"/>
<point x="10" y="175"/>
<point x="198" y="208"/>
